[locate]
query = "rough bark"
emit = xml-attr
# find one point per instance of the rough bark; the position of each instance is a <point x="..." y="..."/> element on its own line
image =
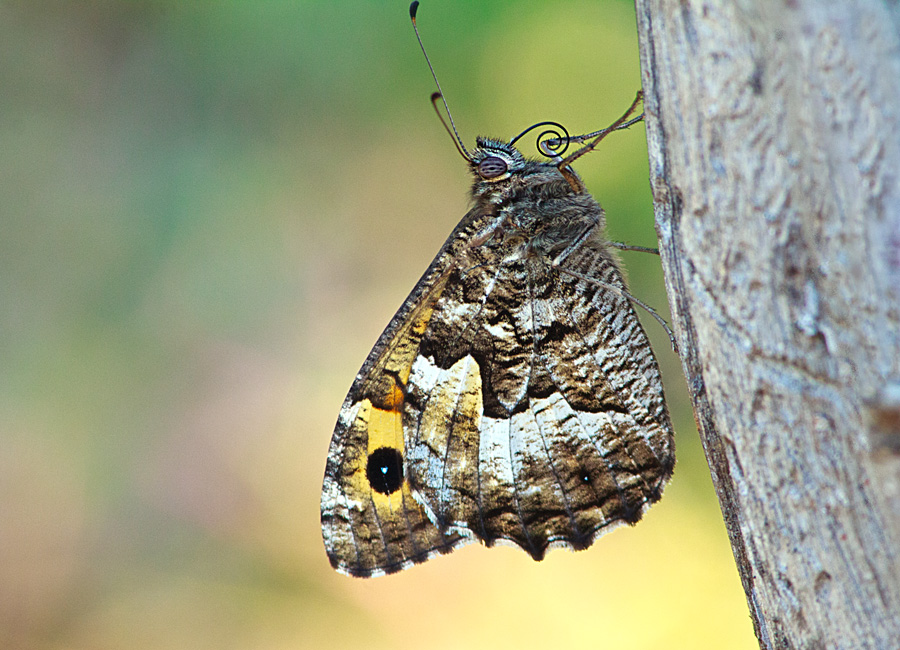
<point x="774" y="139"/>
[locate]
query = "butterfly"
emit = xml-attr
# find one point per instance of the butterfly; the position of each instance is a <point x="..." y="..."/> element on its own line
<point x="513" y="398"/>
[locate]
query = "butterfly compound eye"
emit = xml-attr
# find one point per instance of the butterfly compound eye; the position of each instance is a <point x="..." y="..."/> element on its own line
<point x="492" y="167"/>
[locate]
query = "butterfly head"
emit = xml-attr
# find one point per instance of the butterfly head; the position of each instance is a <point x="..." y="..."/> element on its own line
<point x="494" y="161"/>
<point x="502" y="172"/>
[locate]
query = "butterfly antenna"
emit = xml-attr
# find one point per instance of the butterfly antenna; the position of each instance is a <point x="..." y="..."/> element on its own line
<point x="461" y="149"/>
<point x="413" y="8"/>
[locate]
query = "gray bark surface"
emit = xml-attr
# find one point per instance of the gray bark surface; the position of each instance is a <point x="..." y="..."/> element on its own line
<point x="774" y="141"/>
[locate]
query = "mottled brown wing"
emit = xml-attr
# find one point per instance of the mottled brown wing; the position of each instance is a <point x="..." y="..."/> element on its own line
<point x="508" y="400"/>
<point x="374" y="521"/>
<point x="534" y="410"/>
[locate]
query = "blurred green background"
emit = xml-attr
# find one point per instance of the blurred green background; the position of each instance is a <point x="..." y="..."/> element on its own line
<point x="197" y="202"/>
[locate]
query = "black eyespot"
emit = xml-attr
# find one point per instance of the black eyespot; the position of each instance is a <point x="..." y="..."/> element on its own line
<point x="384" y="470"/>
<point x="492" y="167"/>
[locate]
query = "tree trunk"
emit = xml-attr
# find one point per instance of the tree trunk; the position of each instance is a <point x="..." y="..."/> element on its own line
<point x="774" y="139"/>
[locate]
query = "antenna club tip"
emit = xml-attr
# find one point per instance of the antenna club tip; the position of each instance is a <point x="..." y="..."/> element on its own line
<point x="435" y="96"/>
<point x="413" y="8"/>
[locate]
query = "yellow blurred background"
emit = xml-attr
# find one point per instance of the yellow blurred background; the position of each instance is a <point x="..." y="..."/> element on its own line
<point x="209" y="212"/>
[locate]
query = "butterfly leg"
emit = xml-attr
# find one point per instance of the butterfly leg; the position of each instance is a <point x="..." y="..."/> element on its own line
<point x="628" y="296"/>
<point x="630" y="247"/>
